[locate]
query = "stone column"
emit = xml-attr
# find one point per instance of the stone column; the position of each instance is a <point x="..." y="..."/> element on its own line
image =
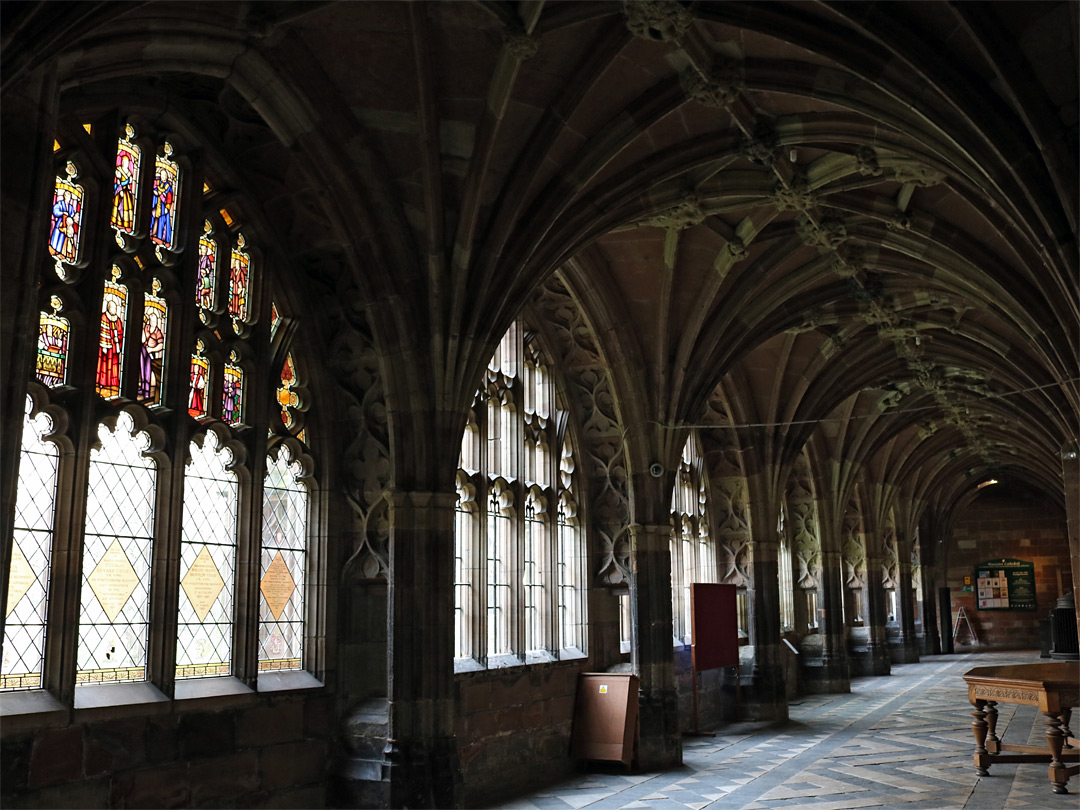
<point x="906" y="647"/>
<point x="421" y="751"/>
<point x="652" y="650"/>
<point x="28" y="115"/>
<point x="874" y="590"/>
<point x="1070" y="468"/>
<point x="835" y="673"/>
<point x="767" y="698"/>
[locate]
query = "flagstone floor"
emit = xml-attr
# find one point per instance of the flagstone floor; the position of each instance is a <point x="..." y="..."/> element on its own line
<point x="901" y="741"/>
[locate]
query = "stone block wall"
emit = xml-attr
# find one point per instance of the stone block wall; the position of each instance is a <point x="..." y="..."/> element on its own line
<point x="515" y="727"/>
<point x="271" y="752"/>
<point x="1017" y="525"/>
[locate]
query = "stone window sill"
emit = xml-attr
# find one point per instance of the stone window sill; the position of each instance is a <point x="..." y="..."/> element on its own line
<point x="30" y="710"/>
<point x="93" y="701"/>
<point x="287" y="681"/>
<point x="195" y="693"/>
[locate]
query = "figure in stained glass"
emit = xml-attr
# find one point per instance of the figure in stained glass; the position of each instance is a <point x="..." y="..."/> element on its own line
<point x="53" y="332"/>
<point x="200" y="372"/>
<point x="111" y="342"/>
<point x="125" y="183"/>
<point x="239" y="275"/>
<point x="165" y="201"/>
<point x="232" y="392"/>
<point x="66" y="218"/>
<point x="207" y="269"/>
<point x="152" y="352"/>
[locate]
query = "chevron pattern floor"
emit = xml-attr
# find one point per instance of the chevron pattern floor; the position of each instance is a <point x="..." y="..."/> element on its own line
<point x="902" y="741"/>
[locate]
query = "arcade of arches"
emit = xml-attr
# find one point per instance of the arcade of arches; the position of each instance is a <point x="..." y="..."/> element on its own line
<point x="381" y="367"/>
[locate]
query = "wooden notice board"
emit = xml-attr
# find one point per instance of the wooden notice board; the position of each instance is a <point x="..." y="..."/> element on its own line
<point x="605" y="717"/>
<point x="714" y="626"/>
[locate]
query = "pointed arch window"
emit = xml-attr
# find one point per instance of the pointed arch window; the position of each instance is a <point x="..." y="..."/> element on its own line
<point x="519" y="594"/>
<point x="693" y="551"/>
<point x="153" y="591"/>
<point x="31" y="556"/>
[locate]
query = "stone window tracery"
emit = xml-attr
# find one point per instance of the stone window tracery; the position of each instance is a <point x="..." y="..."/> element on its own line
<point x="519" y="553"/>
<point x="693" y="551"/>
<point x="154" y="307"/>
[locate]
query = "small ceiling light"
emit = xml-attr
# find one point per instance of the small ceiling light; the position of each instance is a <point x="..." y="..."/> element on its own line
<point x="793" y="155"/>
<point x="987" y="483"/>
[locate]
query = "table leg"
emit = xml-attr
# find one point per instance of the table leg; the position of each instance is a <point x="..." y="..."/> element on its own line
<point x="1055" y="738"/>
<point x="1066" y="719"/>
<point x="980" y="727"/>
<point x="993" y="742"/>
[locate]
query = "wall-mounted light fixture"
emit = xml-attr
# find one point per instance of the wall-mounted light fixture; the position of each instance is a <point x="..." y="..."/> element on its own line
<point x="987" y="483"/>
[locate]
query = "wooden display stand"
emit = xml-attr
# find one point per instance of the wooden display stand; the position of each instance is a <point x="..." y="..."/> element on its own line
<point x="605" y="717"/>
<point x="714" y="632"/>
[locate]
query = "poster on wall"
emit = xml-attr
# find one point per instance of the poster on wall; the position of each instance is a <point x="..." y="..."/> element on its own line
<point x="1005" y="584"/>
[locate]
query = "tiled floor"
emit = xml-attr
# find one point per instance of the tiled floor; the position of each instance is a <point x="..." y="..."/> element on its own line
<point x="902" y="741"/>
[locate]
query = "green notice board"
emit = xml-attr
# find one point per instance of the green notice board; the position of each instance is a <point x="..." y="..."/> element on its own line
<point x="1005" y="584"/>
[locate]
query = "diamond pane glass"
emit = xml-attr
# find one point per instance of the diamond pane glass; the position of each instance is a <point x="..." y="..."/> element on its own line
<point x="52" y="349"/>
<point x="31" y="557"/>
<point x="282" y="578"/>
<point x="207" y="563"/>
<point x="115" y="602"/>
<point x="152" y="351"/>
<point x="166" y="199"/>
<point x="111" y="345"/>
<point x="126" y="183"/>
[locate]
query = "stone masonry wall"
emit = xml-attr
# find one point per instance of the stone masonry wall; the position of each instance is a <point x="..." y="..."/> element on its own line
<point x="1020" y="526"/>
<point x="273" y="753"/>
<point x="515" y="725"/>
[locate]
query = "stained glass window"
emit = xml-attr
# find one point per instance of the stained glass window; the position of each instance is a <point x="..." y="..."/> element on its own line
<point x="207" y="281"/>
<point x="275" y="319"/>
<point x="166" y="199"/>
<point x="284" y="563"/>
<point x="126" y="183"/>
<point x="66" y="224"/>
<point x="232" y="394"/>
<point x="207" y="563"/>
<point x="111" y="343"/>
<point x="239" y="284"/>
<point x="152" y="351"/>
<point x="199" y="382"/>
<point x="115" y="601"/>
<point x="52" y="345"/>
<point x="31" y="557"/>
<point x="287" y="398"/>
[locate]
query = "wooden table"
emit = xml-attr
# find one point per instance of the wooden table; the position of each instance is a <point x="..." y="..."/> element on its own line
<point x="1054" y="688"/>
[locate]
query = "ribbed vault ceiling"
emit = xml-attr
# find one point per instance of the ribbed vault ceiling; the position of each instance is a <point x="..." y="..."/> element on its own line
<point x="835" y="212"/>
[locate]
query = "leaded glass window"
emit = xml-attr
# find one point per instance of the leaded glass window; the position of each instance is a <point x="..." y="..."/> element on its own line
<point x="52" y="345"/>
<point x="115" y="604"/>
<point x="232" y="394"/>
<point x="110" y="367"/>
<point x="126" y="183"/>
<point x="207" y="562"/>
<point x="693" y="554"/>
<point x="31" y="557"/>
<point x="66" y="224"/>
<point x="283" y="574"/>
<point x="239" y="284"/>
<point x="165" y="200"/>
<point x="152" y="595"/>
<point x="152" y="350"/>
<point x="519" y="587"/>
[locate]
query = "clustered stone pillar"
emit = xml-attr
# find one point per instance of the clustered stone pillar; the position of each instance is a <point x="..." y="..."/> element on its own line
<point x="652" y="651"/>
<point x="875" y="606"/>
<point x="421" y="750"/>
